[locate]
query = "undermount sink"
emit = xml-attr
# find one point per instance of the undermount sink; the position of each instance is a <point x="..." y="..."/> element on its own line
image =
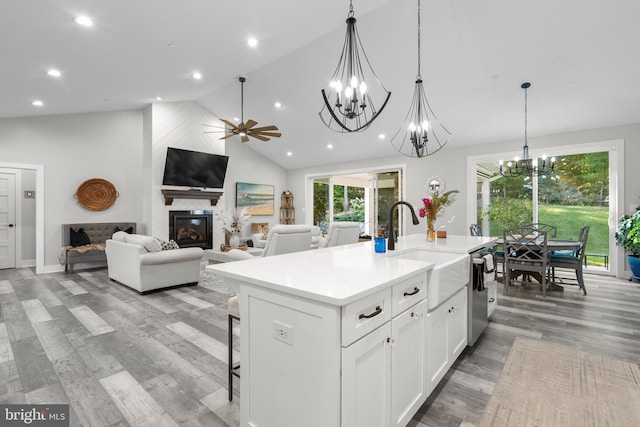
<point x="450" y="274"/>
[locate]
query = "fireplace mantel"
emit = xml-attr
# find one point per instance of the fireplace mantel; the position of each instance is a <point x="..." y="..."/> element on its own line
<point x="169" y="195"/>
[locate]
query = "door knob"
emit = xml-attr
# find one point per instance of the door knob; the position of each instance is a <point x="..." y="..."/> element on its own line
<point x="10" y="225"/>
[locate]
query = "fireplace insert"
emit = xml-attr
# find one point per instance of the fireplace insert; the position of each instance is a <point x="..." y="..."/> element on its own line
<point x="191" y="228"/>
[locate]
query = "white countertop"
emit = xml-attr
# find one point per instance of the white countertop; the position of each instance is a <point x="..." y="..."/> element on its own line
<point x="343" y="274"/>
<point x="452" y="243"/>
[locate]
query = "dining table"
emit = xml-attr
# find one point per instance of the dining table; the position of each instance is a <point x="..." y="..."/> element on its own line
<point x="553" y="245"/>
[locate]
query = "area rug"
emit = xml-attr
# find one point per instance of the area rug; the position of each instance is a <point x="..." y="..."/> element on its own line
<point x="548" y="384"/>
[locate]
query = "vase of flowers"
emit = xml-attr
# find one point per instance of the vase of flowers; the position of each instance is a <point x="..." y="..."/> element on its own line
<point x="432" y="206"/>
<point x="233" y="221"/>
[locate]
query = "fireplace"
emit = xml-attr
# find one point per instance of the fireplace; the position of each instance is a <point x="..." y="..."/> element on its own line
<point x="191" y="228"/>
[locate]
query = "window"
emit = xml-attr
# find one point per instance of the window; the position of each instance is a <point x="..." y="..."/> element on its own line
<point x="579" y="194"/>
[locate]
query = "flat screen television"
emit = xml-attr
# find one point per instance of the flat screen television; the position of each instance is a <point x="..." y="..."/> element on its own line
<point x="187" y="168"/>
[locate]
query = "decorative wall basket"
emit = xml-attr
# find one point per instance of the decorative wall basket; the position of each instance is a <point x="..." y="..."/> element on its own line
<point x="96" y="194"/>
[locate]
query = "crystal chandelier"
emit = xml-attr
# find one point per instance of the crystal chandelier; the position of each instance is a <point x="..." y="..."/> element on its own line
<point x="524" y="166"/>
<point x="421" y="134"/>
<point x="348" y="99"/>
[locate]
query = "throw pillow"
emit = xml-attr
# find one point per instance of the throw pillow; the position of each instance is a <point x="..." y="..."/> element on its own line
<point x="78" y="238"/>
<point x="167" y="246"/>
<point x="119" y="236"/>
<point x="128" y="230"/>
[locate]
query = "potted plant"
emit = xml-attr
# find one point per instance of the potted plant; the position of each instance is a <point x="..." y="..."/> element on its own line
<point x="628" y="236"/>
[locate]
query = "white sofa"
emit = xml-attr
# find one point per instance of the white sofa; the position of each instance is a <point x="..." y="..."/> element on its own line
<point x="139" y="263"/>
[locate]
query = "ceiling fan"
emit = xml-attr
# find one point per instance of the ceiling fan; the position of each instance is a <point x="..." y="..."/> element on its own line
<point x="248" y="129"/>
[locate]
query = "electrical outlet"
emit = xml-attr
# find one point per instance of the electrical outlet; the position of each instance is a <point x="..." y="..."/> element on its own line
<point x="283" y="332"/>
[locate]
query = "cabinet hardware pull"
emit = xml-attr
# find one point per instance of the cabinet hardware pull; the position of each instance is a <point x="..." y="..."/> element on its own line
<point x="369" y="316"/>
<point x="492" y="299"/>
<point x="415" y="291"/>
<point x="390" y="341"/>
<point x="414" y="315"/>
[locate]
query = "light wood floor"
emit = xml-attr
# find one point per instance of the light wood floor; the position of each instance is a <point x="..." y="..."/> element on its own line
<point x="121" y="359"/>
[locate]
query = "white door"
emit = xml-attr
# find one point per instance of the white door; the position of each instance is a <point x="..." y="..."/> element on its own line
<point x="408" y="363"/>
<point x="7" y="220"/>
<point x="366" y="377"/>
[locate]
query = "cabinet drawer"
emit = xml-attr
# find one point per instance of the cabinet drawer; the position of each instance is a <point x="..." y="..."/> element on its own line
<point x="365" y="315"/>
<point x="407" y="293"/>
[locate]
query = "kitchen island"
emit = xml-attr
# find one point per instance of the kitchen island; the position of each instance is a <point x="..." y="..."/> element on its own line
<point x="339" y="336"/>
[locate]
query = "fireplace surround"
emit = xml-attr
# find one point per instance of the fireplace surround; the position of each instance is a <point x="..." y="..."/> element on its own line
<point x="191" y="228"/>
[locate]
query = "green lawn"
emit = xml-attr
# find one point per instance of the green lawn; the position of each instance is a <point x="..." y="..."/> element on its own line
<point x="569" y="220"/>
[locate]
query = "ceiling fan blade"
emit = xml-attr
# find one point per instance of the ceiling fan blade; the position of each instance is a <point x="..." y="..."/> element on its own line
<point x="244" y="138"/>
<point x="261" y="129"/>
<point x="250" y="123"/>
<point x="260" y="137"/>
<point x="213" y="126"/>
<point x="272" y="134"/>
<point x="229" y="123"/>
<point x="229" y="135"/>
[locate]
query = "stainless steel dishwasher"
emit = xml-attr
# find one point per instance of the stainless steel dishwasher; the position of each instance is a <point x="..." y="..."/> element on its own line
<point x="477" y="297"/>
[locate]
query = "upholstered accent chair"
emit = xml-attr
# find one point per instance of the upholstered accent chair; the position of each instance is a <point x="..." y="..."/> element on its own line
<point x="341" y="233"/>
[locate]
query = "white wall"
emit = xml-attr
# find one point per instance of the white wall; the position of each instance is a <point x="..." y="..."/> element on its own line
<point x="246" y="165"/>
<point x="73" y="148"/>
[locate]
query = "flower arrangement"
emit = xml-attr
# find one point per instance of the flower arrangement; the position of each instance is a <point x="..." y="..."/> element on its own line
<point x="433" y="206"/>
<point x="233" y="220"/>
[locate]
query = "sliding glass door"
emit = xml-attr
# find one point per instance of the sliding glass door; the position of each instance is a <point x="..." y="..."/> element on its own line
<point x="365" y="197"/>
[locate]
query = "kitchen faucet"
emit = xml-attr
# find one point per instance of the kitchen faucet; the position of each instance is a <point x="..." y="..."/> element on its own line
<point x="391" y="244"/>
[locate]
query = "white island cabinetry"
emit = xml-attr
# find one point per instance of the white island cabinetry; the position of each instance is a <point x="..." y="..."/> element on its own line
<point x="384" y="373"/>
<point x="447" y="331"/>
<point x="335" y="337"/>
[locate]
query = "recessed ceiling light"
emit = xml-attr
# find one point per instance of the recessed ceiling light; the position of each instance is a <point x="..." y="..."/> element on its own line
<point x="158" y="98"/>
<point x="252" y="42"/>
<point x="37" y="103"/>
<point x="196" y="75"/>
<point x="382" y="136"/>
<point x="289" y="153"/>
<point x="277" y="104"/>
<point x="329" y="146"/>
<point x="54" y="73"/>
<point x="85" y="21"/>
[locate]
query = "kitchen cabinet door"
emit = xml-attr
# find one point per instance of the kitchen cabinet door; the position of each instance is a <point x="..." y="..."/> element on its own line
<point x="366" y="380"/>
<point x="408" y="363"/>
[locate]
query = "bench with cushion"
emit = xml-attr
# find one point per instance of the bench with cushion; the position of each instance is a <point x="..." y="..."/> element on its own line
<point x="85" y="242"/>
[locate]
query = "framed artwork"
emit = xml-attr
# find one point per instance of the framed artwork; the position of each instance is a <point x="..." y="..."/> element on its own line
<point x="257" y="198"/>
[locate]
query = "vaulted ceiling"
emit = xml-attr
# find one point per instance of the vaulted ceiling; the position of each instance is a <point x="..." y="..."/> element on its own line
<point x="580" y="56"/>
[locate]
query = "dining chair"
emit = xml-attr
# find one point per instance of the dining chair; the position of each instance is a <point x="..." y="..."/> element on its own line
<point x="526" y="252"/>
<point x="282" y="239"/>
<point x="572" y="261"/>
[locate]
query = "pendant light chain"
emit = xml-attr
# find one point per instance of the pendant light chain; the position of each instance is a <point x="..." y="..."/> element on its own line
<point x="525" y="116"/>
<point x="419" y="37"/>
